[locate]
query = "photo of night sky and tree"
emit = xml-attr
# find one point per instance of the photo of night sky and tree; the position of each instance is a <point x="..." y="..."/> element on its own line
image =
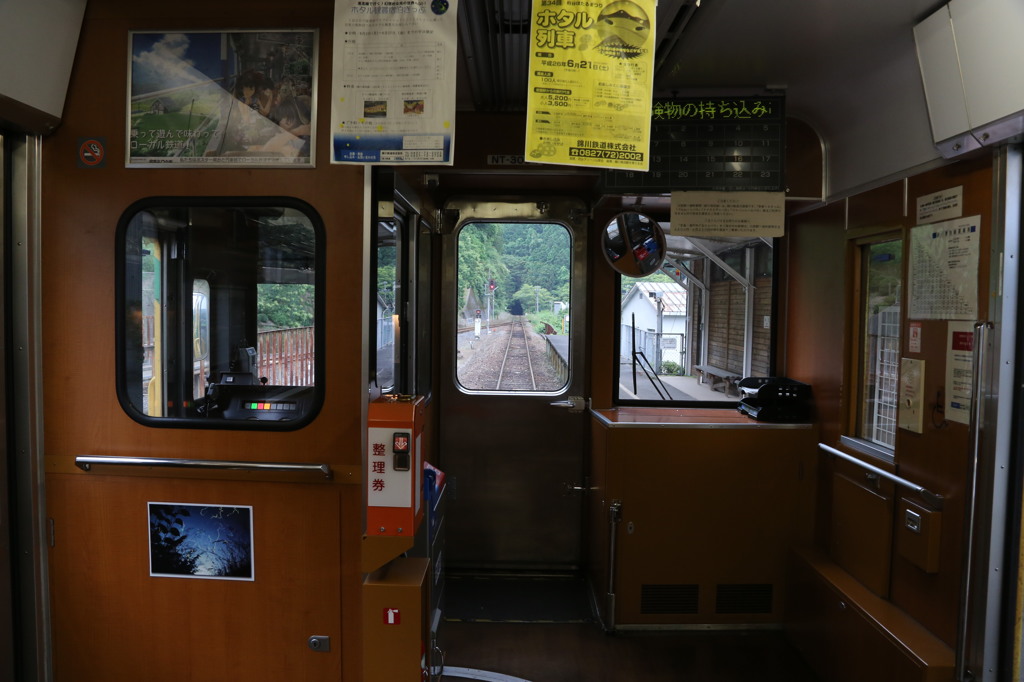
<point x="200" y="541"/>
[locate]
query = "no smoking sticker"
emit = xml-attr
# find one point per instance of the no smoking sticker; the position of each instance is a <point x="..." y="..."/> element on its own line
<point x="92" y="152"/>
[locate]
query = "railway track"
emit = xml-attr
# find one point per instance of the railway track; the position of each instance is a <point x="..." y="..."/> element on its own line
<point x="516" y="373"/>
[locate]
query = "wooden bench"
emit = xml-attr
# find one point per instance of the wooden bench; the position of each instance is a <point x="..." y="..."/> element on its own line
<point x="716" y="376"/>
<point x="827" y="609"/>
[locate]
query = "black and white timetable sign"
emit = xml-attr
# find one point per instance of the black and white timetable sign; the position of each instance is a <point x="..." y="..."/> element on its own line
<point x="710" y="143"/>
<point x="943" y="270"/>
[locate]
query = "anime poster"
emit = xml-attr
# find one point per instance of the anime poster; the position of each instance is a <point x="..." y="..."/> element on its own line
<point x="222" y="99"/>
<point x="393" y="85"/>
<point x="200" y="541"/>
<point x="591" y="82"/>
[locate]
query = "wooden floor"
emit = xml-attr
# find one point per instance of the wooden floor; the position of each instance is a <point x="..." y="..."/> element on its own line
<point x="556" y="652"/>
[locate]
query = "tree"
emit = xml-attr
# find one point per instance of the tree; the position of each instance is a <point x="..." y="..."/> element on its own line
<point x="169" y="552"/>
<point x="481" y="260"/>
<point x="533" y="299"/>
<point x="527" y="262"/>
<point x="285" y="306"/>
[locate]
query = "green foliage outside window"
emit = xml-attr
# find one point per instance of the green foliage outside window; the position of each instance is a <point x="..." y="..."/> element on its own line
<point x="285" y="306"/>
<point x="528" y="263"/>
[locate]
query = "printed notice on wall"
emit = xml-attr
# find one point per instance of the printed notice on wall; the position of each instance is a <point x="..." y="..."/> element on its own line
<point x="590" y="83"/>
<point x="914" y="337"/>
<point x="959" y="371"/>
<point x="943" y="270"/>
<point x="393" y="89"/>
<point x="728" y="214"/>
<point x="940" y="206"/>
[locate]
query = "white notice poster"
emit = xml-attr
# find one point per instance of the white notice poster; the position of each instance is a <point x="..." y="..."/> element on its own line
<point x="393" y="87"/>
<point x="728" y="214"/>
<point x="959" y="371"/>
<point x="943" y="270"/>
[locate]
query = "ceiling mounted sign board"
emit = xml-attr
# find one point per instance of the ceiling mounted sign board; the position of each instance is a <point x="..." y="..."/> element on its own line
<point x="722" y="143"/>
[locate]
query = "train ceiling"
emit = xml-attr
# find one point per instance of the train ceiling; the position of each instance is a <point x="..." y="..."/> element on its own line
<point x="494" y="49"/>
<point x="843" y="65"/>
<point x="808" y="48"/>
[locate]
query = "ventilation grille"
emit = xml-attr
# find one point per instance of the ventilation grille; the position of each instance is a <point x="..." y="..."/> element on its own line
<point x="743" y="599"/>
<point x="669" y="598"/>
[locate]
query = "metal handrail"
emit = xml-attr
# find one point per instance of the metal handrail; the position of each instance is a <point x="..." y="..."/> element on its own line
<point x="86" y="462"/>
<point x="979" y="364"/>
<point x="933" y="499"/>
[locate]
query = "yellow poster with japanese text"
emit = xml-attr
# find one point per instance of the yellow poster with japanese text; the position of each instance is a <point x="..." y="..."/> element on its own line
<point x="590" y="85"/>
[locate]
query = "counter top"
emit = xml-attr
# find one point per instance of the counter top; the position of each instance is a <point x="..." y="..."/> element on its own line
<point x="683" y="418"/>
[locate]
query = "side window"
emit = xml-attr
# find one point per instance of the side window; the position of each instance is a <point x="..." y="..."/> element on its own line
<point x="881" y="275"/>
<point x="692" y="330"/>
<point x="200" y="335"/>
<point x="400" y="304"/>
<point x="220" y="313"/>
<point x="388" y="292"/>
<point x="513" y="307"/>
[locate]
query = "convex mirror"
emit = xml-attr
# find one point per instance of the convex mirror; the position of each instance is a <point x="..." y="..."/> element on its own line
<point x="634" y="244"/>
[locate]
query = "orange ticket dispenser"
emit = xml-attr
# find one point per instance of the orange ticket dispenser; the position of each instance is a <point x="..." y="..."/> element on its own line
<point x="394" y="467"/>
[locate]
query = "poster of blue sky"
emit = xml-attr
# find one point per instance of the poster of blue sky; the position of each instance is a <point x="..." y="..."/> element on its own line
<point x="200" y="541"/>
<point x="211" y="98"/>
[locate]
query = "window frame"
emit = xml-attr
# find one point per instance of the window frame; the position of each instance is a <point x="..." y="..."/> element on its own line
<point x="695" y="328"/>
<point x="184" y="328"/>
<point x="570" y="264"/>
<point x="412" y="355"/>
<point x="856" y="371"/>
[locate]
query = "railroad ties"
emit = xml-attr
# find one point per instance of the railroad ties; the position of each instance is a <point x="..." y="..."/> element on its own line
<point x="516" y="373"/>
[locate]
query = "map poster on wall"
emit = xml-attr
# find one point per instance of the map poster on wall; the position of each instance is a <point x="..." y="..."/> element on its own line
<point x="590" y="83"/>
<point x="728" y="214"/>
<point x="943" y="270"/>
<point x="393" y="83"/>
<point x="206" y="98"/>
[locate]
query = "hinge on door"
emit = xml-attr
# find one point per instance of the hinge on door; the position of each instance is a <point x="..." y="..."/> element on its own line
<point x="50" y="532"/>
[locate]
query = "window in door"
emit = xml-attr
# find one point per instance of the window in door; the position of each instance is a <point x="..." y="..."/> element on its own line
<point x="220" y="317"/>
<point x="513" y="308"/>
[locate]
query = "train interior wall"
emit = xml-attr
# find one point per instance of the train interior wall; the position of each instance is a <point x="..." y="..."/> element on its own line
<point x="711" y="508"/>
<point x="861" y="556"/>
<point x="110" y="620"/>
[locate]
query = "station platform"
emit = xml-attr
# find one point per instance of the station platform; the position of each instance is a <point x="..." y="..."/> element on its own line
<point x="678" y="387"/>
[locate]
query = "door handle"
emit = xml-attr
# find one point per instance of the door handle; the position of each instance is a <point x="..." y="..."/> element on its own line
<point x="574" y="403"/>
<point x="569" y="488"/>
